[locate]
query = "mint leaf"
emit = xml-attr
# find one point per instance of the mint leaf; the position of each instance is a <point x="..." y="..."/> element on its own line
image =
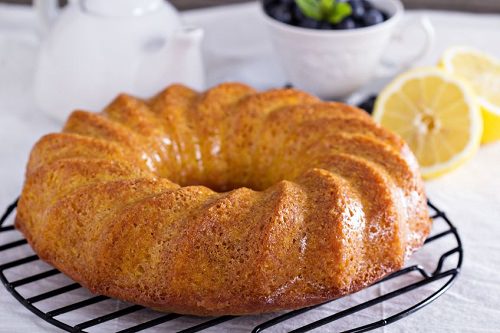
<point x="327" y="6"/>
<point x="310" y="8"/>
<point x="341" y="11"/>
<point x="333" y="11"/>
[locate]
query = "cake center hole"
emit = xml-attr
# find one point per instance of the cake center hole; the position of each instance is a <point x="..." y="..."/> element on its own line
<point x="221" y="181"/>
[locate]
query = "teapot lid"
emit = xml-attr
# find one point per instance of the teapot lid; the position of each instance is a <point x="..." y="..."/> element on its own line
<point x="120" y="8"/>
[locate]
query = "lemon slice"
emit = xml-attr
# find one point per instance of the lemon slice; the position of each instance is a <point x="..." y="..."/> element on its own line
<point x="436" y="114"/>
<point x="482" y="73"/>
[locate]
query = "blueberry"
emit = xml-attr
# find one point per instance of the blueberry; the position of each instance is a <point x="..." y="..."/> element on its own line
<point x="347" y="23"/>
<point x="323" y="25"/>
<point x="300" y="20"/>
<point x="281" y="13"/>
<point x="358" y="9"/>
<point x="297" y="13"/>
<point x="367" y="4"/>
<point x="309" y="23"/>
<point x="372" y="17"/>
<point x="368" y="103"/>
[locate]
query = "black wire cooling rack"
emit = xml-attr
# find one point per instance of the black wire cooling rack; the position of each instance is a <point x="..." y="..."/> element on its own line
<point x="420" y="277"/>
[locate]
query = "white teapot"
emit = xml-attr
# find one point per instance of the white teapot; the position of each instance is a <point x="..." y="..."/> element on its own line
<point x="96" y="49"/>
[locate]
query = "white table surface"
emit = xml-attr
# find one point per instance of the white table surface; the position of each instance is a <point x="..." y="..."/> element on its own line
<point x="237" y="48"/>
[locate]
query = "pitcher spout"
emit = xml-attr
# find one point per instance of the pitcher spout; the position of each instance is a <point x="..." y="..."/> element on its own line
<point x="186" y="37"/>
<point x="184" y="49"/>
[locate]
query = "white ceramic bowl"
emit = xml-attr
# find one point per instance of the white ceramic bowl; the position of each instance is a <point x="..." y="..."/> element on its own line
<point x="333" y="63"/>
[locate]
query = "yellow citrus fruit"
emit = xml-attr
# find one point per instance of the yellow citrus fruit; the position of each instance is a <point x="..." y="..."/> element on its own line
<point x="482" y="73"/>
<point x="436" y="114"/>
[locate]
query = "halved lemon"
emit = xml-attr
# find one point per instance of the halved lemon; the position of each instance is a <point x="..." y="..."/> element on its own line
<point x="482" y="73"/>
<point x="436" y="114"/>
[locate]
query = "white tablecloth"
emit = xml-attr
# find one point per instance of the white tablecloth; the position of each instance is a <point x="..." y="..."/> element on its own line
<point x="237" y="48"/>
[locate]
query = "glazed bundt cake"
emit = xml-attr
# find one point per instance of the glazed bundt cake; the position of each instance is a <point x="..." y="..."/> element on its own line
<point x="228" y="201"/>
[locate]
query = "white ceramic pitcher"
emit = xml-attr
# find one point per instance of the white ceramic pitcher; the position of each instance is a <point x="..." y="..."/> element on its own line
<point x="95" y="49"/>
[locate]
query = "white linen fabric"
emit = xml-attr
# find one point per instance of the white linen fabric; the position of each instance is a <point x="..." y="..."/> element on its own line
<point x="237" y="48"/>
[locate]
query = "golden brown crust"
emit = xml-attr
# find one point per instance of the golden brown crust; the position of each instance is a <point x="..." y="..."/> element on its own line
<point x="98" y="126"/>
<point x="135" y="114"/>
<point x="245" y="129"/>
<point x="57" y="146"/>
<point x="319" y="201"/>
<point x="210" y="119"/>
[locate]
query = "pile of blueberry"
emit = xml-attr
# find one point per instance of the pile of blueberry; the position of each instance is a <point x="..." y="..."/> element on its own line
<point x="363" y="14"/>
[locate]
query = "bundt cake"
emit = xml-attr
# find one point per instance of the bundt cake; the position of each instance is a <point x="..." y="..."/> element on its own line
<point x="228" y="201"/>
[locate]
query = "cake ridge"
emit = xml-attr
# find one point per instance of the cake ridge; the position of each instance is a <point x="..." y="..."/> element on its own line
<point x="376" y="191"/>
<point x="97" y="125"/>
<point x="273" y="120"/>
<point x="56" y="146"/>
<point x="136" y="115"/>
<point x="245" y="126"/>
<point x="391" y="163"/>
<point x="79" y="202"/>
<point x="328" y="222"/>
<point x="170" y="105"/>
<point x="207" y="119"/>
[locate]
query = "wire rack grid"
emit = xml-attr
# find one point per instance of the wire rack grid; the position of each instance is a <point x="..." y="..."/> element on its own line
<point x="445" y="277"/>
